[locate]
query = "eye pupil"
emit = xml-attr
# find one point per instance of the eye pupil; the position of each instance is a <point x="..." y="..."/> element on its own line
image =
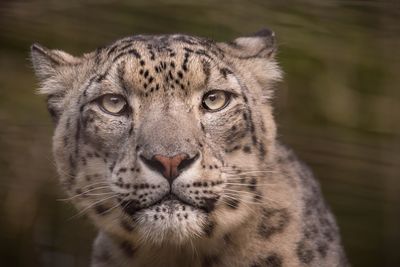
<point x="212" y="97"/>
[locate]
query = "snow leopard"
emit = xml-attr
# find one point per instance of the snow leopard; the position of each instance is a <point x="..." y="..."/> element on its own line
<point x="168" y="144"/>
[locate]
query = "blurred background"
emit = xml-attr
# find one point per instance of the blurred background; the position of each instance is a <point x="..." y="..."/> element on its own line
<point x="338" y="107"/>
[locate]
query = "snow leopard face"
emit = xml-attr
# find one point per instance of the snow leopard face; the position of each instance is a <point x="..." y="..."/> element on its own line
<point x="162" y="138"/>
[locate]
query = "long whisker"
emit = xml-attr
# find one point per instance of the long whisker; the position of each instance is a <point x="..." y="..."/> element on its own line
<point x="243" y="178"/>
<point x="243" y="193"/>
<point x="81" y="212"/>
<point x="236" y="199"/>
<point x="248" y="172"/>
<point x="97" y="183"/>
<point x="245" y="184"/>
<point x="83" y="193"/>
<point x="250" y="195"/>
<point x="245" y="169"/>
<point x="264" y="200"/>
<point x="110" y="209"/>
<point x="246" y="199"/>
<point x="118" y="216"/>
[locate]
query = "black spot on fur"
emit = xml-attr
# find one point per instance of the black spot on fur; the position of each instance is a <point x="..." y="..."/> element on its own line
<point x="72" y="165"/>
<point x="121" y="170"/>
<point x="252" y="184"/>
<point x="185" y="61"/>
<point x="227" y="239"/>
<point x="202" y="127"/>
<point x="257" y="197"/>
<point x="206" y="70"/>
<point x="209" y="204"/>
<point x="53" y="114"/>
<point x="273" y="260"/>
<point x="209" y="261"/>
<point x="134" y="52"/>
<point x="127" y="248"/>
<point x="209" y="228"/>
<point x="247" y="149"/>
<point x="112" y="166"/>
<point x="273" y="221"/>
<point x="124" y="47"/>
<point x="305" y="252"/>
<point x="322" y="249"/>
<point x="112" y="49"/>
<point x="232" y="203"/>
<point x="130" y="206"/>
<point x="127" y="226"/>
<point x="261" y="149"/>
<point x="101" y="209"/>
<point x="225" y="72"/>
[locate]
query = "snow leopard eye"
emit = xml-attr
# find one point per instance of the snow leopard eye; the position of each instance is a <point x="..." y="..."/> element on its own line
<point x="113" y="104"/>
<point x="216" y="100"/>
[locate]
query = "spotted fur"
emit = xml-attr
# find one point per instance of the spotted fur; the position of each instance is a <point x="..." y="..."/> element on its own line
<point x="243" y="199"/>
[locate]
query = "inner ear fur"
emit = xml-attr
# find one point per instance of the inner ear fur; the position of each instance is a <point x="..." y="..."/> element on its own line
<point x="255" y="56"/>
<point x="55" y="71"/>
<point x="46" y="62"/>
<point x="261" y="44"/>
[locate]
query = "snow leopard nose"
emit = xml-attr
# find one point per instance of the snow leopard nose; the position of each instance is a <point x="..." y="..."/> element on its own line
<point x="169" y="167"/>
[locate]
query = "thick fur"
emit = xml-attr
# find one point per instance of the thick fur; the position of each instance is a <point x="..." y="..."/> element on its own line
<point x="246" y="200"/>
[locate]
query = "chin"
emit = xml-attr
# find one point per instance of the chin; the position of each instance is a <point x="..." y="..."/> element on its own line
<point x="170" y="222"/>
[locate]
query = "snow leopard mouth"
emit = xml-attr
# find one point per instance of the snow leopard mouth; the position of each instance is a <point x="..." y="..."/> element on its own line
<point x="170" y="200"/>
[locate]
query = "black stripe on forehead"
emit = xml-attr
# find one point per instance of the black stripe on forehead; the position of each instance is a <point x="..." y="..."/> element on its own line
<point x="131" y="51"/>
<point x="112" y="49"/>
<point x="247" y="115"/>
<point x="119" y="44"/>
<point x="99" y="77"/>
<point x="207" y="70"/>
<point x="186" y="40"/>
<point x="121" y="77"/>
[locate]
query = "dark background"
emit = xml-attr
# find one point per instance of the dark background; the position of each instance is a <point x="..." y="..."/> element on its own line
<point x="338" y="107"/>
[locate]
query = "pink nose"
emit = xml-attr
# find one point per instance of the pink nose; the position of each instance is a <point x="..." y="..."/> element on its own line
<point x="169" y="167"/>
<point x="170" y="164"/>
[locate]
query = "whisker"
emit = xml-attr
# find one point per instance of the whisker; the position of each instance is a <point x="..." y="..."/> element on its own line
<point x="248" y="172"/>
<point x="245" y="184"/>
<point x="243" y="192"/>
<point x="247" y="169"/>
<point x="246" y="199"/>
<point x="123" y="199"/>
<point x="81" y="212"/>
<point x="251" y="195"/>
<point x="264" y="200"/>
<point x="236" y="199"/>
<point x="83" y="193"/>
<point x="110" y="209"/>
<point x="97" y="183"/>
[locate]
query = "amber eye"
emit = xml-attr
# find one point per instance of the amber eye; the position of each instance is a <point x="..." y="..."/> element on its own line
<point x="113" y="104"/>
<point x="216" y="100"/>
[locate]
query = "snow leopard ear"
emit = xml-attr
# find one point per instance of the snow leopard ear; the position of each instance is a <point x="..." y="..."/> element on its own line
<point x="55" y="70"/>
<point x="47" y="63"/>
<point x="261" y="44"/>
<point x="255" y="55"/>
